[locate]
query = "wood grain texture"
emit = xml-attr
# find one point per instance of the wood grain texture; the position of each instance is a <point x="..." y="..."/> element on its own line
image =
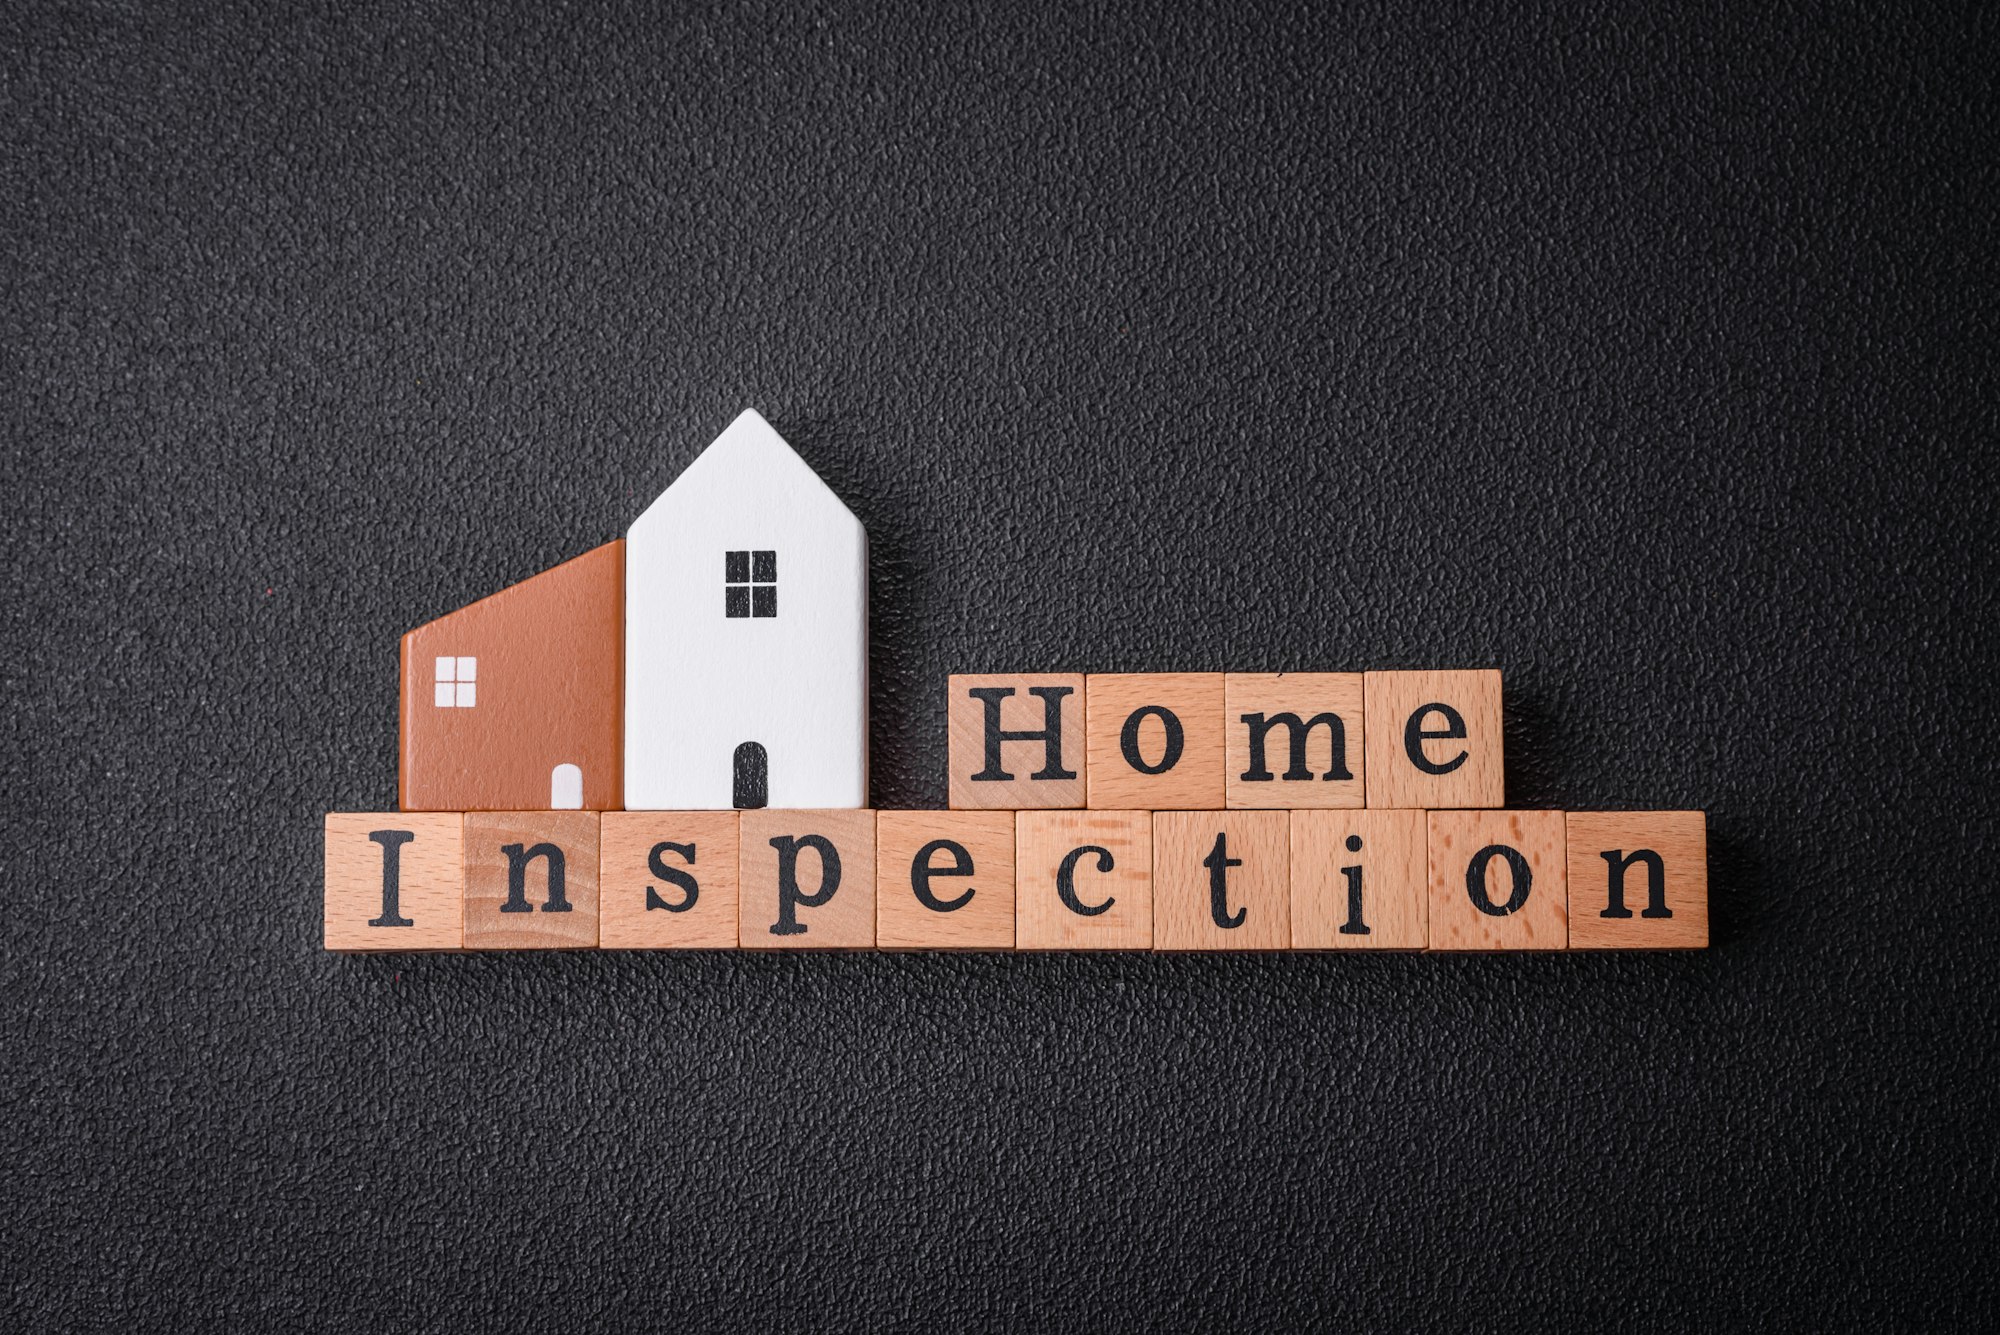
<point x="1394" y="780"/>
<point x="428" y="881"/>
<point x="1280" y="706"/>
<point x="1188" y="750"/>
<point x="1538" y="920"/>
<point x="1391" y="849"/>
<point x="639" y="909"/>
<point x="1110" y="858"/>
<point x="846" y="918"/>
<point x="500" y="694"/>
<point x="1680" y="841"/>
<point x="1185" y="910"/>
<point x="490" y="879"/>
<point x="1020" y="761"/>
<point x="981" y="916"/>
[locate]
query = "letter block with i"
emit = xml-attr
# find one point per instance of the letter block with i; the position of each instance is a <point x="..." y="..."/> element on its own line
<point x="394" y="881"/>
<point x="1359" y="880"/>
<point x="1016" y="741"/>
<point x="531" y="880"/>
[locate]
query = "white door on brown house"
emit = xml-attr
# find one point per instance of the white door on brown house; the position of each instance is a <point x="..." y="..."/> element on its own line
<point x="565" y="788"/>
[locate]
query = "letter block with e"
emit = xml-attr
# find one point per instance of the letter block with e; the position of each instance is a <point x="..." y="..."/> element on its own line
<point x="394" y="881"/>
<point x="1015" y="742"/>
<point x="1499" y="880"/>
<point x="1434" y="740"/>
<point x="1638" y="880"/>
<point x="944" y="880"/>
<point x="806" y="880"/>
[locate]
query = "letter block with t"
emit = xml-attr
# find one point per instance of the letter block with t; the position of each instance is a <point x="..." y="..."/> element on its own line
<point x="1015" y="742"/>
<point x="807" y="880"/>
<point x="1295" y="739"/>
<point x="1083" y="880"/>
<point x="667" y="880"/>
<point x="1221" y="880"/>
<point x="944" y="880"/>
<point x="1498" y="881"/>
<point x="393" y="881"/>
<point x="531" y="880"/>
<point x="1638" y="880"/>
<point x="1434" y="740"/>
<point x="1154" y="741"/>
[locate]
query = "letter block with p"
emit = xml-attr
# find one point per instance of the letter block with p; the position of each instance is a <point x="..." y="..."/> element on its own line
<point x="806" y="880"/>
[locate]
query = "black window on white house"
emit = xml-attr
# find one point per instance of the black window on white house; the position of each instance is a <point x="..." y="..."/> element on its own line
<point x="751" y="584"/>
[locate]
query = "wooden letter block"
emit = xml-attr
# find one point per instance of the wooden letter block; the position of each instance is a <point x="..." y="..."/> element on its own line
<point x="667" y="880"/>
<point x="944" y="880"/>
<point x="1359" y="880"/>
<point x="1154" y="741"/>
<point x="1083" y="880"/>
<point x="1221" y="880"/>
<point x="1295" y="739"/>
<point x="393" y="881"/>
<point x="808" y="880"/>
<point x="1638" y="880"/>
<point x="530" y="880"/>
<point x="1434" y="740"/>
<point x="1015" y="742"/>
<point x="1498" y="881"/>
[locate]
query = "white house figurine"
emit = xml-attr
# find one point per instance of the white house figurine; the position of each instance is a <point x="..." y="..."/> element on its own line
<point x="746" y="636"/>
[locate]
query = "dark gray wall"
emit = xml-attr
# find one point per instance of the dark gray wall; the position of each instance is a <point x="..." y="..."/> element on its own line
<point x="1647" y="358"/>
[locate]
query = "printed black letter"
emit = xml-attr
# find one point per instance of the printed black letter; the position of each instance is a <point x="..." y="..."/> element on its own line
<point x="690" y="888"/>
<point x="392" y="842"/>
<point x="1049" y="734"/>
<point x="1414" y="737"/>
<point x="790" y="901"/>
<point x="1066" y="880"/>
<point x="1656" y="884"/>
<point x="921" y="872"/>
<point x="1218" y="863"/>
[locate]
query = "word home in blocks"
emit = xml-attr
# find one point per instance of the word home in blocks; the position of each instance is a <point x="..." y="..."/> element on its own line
<point x="531" y="880"/>
<point x="394" y="881"/>
<point x="1154" y="740"/>
<point x="1083" y="880"/>
<point x="513" y="702"/>
<point x="806" y="880"/>
<point x="1015" y="742"/>
<point x="1638" y="880"/>
<point x="1498" y="880"/>
<point x="1221" y="880"/>
<point x="746" y="636"/>
<point x="944" y="880"/>
<point x="667" y="880"/>
<point x="1360" y="880"/>
<point x="1295" y="739"/>
<point x="1433" y="740"/>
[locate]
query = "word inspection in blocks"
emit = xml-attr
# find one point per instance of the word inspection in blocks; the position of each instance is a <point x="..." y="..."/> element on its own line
<point x="662" y="744"/>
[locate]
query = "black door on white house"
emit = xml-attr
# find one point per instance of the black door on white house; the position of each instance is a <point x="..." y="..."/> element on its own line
<point x="752" y="780"/>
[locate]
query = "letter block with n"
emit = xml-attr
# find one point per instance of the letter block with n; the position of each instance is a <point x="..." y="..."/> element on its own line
<point x="1016" y="741"/>
<point x="1638" y="880"/>
<point x="531" y="880"/>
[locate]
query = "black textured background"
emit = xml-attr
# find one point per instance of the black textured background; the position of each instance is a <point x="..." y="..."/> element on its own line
<point x="1647" y="358"/>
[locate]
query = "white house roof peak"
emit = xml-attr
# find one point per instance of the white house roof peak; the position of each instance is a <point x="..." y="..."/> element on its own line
<point x="748" y="462"/>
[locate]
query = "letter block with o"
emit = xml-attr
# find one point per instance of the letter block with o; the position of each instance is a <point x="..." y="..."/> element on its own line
<point x="1498" y="881"/>
<point x="1015" y="742"/>
<point x="394" y="881"/>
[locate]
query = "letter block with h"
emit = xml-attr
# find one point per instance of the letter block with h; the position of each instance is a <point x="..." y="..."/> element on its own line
<point x="1016" y="741"/>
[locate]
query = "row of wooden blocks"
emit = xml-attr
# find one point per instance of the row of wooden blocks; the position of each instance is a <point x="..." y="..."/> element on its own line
<point x="1028" y="880"/>
<point x="1197" y="741"/>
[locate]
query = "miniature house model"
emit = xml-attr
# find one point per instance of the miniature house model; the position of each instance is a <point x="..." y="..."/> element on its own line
<point x="715" y="658"/>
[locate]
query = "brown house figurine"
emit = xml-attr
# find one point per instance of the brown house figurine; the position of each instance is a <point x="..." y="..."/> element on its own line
<point x="513" y="703"/>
